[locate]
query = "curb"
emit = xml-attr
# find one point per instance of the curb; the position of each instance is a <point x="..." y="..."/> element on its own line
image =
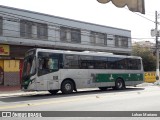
<point x="21" y="93"/>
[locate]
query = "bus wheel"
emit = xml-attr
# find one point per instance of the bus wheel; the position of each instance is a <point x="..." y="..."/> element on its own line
<point x="103" y="88"/>
<point x="119" y="84"/>
<point x="53" y="92"/>
<point x="67" y="87"/>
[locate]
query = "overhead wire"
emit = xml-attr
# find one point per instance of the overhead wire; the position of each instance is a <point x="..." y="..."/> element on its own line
<point x="142" y="16"/>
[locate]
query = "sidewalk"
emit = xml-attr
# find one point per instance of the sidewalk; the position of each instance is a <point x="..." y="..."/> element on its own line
<point x="16" y="90"/>
<point x="9" y="89"/>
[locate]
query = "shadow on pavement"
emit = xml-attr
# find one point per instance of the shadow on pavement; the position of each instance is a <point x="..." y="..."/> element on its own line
<point x="38" y="96"/>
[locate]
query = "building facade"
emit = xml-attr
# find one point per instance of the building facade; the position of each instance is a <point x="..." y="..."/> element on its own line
<point x="21" y="30"/>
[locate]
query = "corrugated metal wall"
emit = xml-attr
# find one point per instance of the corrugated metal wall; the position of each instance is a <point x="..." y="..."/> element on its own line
<point x="11" y="72"/>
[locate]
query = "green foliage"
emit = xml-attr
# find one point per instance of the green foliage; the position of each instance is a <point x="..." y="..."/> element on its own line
<point x="149" y="60"/>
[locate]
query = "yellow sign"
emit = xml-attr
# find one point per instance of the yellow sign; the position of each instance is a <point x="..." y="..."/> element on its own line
<point x="150" y="77"/>
<point x="11" y="66"/>
<point x="4" y="50"/>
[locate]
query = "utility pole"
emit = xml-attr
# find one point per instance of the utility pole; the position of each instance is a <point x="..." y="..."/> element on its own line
<point x="157" y="48"/>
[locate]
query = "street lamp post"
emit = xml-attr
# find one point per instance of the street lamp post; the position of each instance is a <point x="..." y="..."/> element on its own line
<point x="157" y="48"/>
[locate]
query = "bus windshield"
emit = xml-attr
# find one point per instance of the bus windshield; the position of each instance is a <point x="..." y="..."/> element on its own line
<point x="29" y="66"/>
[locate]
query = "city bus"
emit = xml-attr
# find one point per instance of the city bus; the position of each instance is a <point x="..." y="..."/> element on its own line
<point x="68" y="71"/>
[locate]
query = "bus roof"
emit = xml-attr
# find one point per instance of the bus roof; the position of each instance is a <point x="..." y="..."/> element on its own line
<point x="92" y="53"/>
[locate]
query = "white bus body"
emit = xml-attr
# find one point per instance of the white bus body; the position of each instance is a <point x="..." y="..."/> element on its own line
<point x="54" y="70"/>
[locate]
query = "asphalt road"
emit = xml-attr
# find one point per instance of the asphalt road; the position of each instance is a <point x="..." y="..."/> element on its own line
<point x="131" y="99"/>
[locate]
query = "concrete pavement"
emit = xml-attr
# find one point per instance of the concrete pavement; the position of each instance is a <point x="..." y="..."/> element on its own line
<point x="16" y="90"/>
<point x="9" y="88"/>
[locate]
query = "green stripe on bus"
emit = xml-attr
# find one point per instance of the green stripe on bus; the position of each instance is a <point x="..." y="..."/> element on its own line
<point x="113" y="77"/>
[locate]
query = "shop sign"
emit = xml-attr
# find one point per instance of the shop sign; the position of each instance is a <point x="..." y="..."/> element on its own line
<point x="4" y="50"/>
<point x="150" y="77"/>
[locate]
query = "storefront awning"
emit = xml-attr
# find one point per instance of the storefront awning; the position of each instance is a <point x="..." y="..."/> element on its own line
<point x="133" y="5"/>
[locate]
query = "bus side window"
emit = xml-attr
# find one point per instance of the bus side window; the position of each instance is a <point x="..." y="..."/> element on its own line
<point x="83" y="65"/>
<point x="139" y="65"/>
<point x="107" y="65"/>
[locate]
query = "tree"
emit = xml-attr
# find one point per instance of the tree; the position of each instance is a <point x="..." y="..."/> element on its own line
<point x="149" y="60"/>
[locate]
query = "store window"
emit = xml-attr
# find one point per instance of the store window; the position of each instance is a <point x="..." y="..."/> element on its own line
<point x="110" y="37"/>
<point x="124" y="42"/>
<point x="121" y="41"/>
<point x="63" y="34"/>
<point x="25" y="28"/>
<point x="117" y="41"/>
<point x="97" y="38"/>
<point x="75" y="35"/>
<point x="42" y="31"/>
<point x="70" y="35"/>
<point x="28" y="29"/>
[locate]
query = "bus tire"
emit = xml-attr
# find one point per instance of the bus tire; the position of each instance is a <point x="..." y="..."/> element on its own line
<point x="67" y="87"/>
<point x="103" y="88"/>
<point x="119" y="84"/>
<point x="53" y="92"/>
